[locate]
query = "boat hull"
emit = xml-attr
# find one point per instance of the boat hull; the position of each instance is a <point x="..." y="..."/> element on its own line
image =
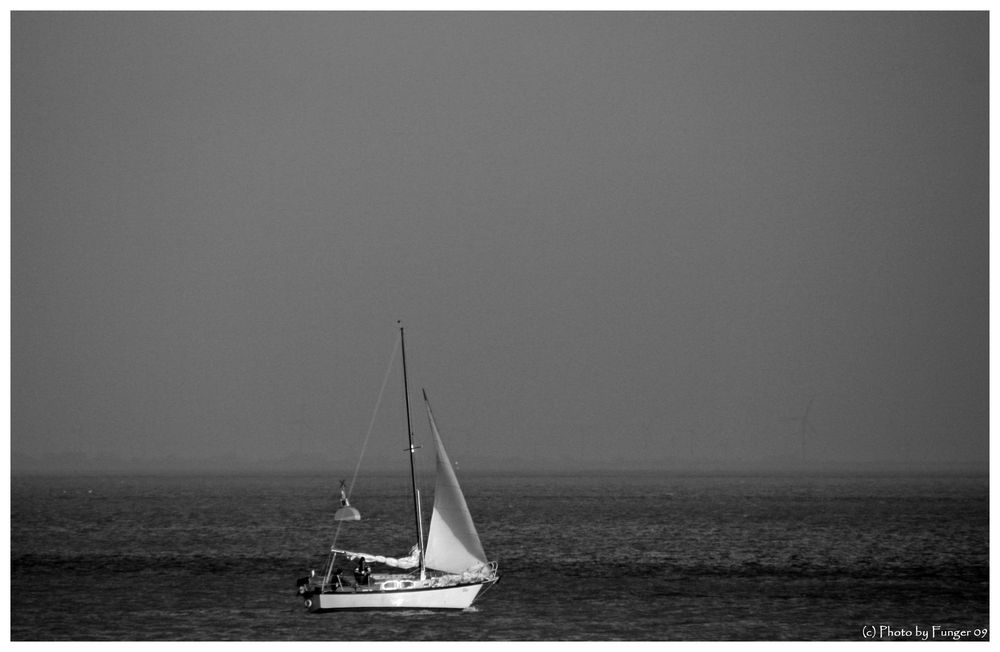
<point x="459" y="596"/>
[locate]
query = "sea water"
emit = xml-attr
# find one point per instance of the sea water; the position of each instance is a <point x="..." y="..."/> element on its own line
<point x="637" y="557"/>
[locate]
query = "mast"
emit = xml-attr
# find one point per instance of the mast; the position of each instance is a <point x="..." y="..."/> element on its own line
<point x="409" y="435"/>
<point x="420" y="524"/>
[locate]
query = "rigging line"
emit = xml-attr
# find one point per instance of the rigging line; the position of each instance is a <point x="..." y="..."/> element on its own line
<point x="371" y="426"/>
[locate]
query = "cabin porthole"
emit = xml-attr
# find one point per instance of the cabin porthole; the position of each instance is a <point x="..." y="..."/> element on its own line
<point x="308" y="603"/>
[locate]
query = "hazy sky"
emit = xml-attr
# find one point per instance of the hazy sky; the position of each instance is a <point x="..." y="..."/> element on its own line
<point x="617" y="240"/>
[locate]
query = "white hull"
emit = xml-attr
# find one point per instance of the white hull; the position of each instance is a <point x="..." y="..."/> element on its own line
<point x="449" y="597"/>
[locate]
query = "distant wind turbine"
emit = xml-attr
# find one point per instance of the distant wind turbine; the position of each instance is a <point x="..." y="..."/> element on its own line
<point x="805" y="425"/>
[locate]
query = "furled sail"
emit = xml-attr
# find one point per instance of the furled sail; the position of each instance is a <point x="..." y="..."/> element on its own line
<point x="452" y="543"/>
<point x="402" y="562"/>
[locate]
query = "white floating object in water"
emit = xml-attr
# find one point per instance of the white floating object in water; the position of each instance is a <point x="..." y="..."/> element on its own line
<point x="346" y="512"/>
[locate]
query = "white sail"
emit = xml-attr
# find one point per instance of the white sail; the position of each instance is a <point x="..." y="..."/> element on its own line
<point x="452" y="544"/>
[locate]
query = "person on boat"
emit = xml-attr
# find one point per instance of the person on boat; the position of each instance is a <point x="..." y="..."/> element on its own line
<point x="363" y="572"/>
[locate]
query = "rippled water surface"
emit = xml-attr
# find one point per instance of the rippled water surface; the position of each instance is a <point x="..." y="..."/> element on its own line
<point x="583" y="558"/>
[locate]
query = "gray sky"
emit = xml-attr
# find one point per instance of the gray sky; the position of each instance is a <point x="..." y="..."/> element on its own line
<point x="636" y="240"/>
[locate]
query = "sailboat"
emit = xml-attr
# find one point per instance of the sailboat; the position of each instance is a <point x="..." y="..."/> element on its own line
<point x="450" y="572"/>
